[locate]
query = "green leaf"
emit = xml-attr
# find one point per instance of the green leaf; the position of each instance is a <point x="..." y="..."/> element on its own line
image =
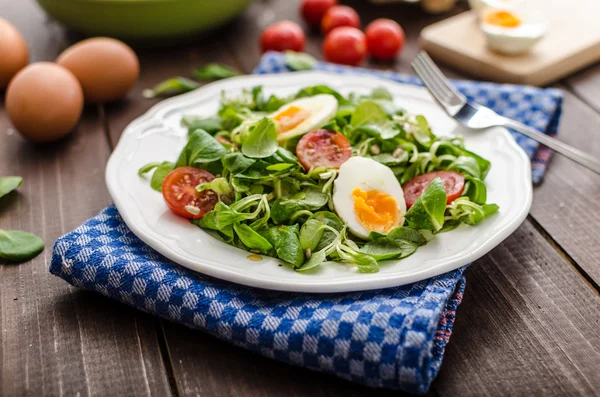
<point x="389" y="160"/>
<point x="381" y="93"/>
<point x="279" y="167"/>
<point x="428" y="211"/>
<point x="236" y="162"/>
<point x="9" y="183"/>
<point x="261" y="142"/>
<point x="466" y="165"/>
<point x="298" y="61"/>
<point x="382" y="129"/>
<point x="18" y="246"/>
<point x="214" y="71"/>
<point x="366" y="263"/>
<point x="311" y="233"/>
<point x="143" y="169"/>
<point x="423" y="133"/>
<point x="315" y="260"/>
<point x="217" y="185"/>
<point x="251" y="238"/>
<point x="286" y="241"/>
<point x="408" y="234"/>
<point x="366" y="112"/>
<point x="208" y="221"/>
<point x="388" y="248"/>
<point x="172" y="86"/>
<point x="329" y="219"/>
<point x="475" y="190"/>
<point x="287" y="156"/>
<point x="212" y="125"/>
<point x="200" y="148"/>
<point x="160" y="174"/>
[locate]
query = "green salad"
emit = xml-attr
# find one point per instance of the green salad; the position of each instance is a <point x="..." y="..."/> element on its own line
<point x="317" y="177"/>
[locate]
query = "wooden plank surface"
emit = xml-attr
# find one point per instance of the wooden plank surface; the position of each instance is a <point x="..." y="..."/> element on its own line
<point x="55" y="339"/>
<point x="528" y="324"/>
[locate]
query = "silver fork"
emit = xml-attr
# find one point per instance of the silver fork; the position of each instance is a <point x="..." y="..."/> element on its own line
<point x="479" y="117"/>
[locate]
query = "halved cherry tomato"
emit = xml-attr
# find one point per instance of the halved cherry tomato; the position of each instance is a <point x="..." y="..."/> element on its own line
<point x="385" y="38"/>
<point x="281" y="36"/>
<point x="179" y="192"/>
<point x="323" y="148"/>
<point x="313" y="10"/>
<point x="345" y="45"/>
<point x="337" y="16"/>
<point x="454" y="184"/>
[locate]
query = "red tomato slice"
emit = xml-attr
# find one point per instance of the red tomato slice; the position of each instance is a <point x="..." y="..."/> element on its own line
<point x="454" y="184"/>
<point x="179" y="192"/>
<point x="323" y="148"/>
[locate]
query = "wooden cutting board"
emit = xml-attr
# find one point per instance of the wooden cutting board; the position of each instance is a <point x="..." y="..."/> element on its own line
<point x="572" y="42"/>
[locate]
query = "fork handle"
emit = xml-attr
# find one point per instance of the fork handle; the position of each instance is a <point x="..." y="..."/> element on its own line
<point x="583" y="158"/>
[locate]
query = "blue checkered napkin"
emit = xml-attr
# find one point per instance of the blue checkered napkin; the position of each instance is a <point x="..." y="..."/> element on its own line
<point x="392" y="338"/>
<point x="536" y="107"/>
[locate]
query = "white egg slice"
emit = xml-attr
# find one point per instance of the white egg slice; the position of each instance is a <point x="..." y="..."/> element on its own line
<point x="368" y="197"/>
<point x="512" y="32"/>
<point x="304" y="115"/>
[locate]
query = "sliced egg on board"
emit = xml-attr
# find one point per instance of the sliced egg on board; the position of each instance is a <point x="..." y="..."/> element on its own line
<point x="510" y="31"/>
<point x="304" y="115"/>
<point x="368" y="197"/>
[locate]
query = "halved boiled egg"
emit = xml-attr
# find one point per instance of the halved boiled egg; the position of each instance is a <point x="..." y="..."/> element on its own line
<point x="511" y="32"/>
<point x="304" y="115"/>
<point x="368" y="197"/>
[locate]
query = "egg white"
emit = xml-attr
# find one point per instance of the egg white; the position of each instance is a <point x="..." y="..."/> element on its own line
<point x="515" y="40"/>
<point x="366" y="174"/>
<point x="322" y="108"/>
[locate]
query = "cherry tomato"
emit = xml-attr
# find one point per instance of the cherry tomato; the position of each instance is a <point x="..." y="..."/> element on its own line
<point x="454" y="184"/>
<point x="179" y="192"/>
<point x="313" y="10"/>
<point x="337" y="16"/>
<point x="323" y="148"/>
<point x="345" y="45"/>
<point x="385" y="38"/>
<point x="281" y="36"/>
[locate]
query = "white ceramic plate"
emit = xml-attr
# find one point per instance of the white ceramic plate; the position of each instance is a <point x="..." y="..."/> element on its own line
<point x="158" y="136"/>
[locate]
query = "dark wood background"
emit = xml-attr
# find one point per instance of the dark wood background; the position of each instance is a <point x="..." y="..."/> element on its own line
<point x="528" y="325"/>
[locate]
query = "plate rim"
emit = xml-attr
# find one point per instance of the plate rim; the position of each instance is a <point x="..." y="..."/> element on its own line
<point x="346" y="285"/>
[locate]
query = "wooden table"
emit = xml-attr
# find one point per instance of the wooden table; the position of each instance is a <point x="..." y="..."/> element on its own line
<point x="529" y="323"/>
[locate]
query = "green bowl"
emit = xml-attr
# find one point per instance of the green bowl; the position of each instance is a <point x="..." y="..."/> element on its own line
<point x="143" y="19"/>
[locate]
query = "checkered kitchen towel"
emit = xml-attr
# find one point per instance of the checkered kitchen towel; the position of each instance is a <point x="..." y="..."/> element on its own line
<point x="393" y="338"/>
<point x="537" y="107"/>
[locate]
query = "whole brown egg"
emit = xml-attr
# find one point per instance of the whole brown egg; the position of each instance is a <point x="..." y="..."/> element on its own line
<point x="44" y="101"/>
<point x="13" y="50"/>
<point x="106" y="68"/>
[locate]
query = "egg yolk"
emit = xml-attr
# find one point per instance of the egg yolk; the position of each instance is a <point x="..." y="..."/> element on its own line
<point x="375" y="210"/>
<point x="502" y="18"/>
<point x="290" y="118"/>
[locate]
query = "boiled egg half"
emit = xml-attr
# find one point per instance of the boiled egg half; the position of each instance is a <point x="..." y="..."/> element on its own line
<point x="368" y="197"/>
<point x="511" y="32"/>
<point x="304" y="115"/>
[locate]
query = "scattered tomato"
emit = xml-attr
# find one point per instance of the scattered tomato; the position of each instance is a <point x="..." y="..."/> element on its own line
<point x="337" y="16"/>
<point x="454" y="184"/>
<point x="345" y="45"/>
<point x="313" y="10"/>
<point x="385" y="38"/>
<point x="180" y="194"/>
<point x="323" y="148"/>
<point x="283" y="35"/>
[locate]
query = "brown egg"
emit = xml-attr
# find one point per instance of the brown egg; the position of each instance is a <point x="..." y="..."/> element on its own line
<point x="44" y="101"/>
<point x="13" y="50"/>
<point x="106" y="68"/>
